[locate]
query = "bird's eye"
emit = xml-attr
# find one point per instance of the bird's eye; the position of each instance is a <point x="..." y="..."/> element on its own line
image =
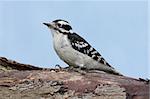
<point x="66" y="27"/>
<point x="59" y="25"/>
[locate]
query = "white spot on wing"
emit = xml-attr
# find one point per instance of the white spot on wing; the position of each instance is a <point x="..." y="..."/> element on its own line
<point x="93" y="56"/>
<point x="91" y="48"/>
<point x="85" y="44"/>
<point x="76" y="44"/>
<point x="84" y="51"/>
<point x="94" y="52"/>
<point x="88" y="51"/>
<point x="99" y="58"/>
<point x="73" y="44"/>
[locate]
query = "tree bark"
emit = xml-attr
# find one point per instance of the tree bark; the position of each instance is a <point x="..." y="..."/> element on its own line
<point x="22" y="81"/>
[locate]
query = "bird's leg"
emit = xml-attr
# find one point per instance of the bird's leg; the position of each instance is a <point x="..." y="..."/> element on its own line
<point x="78" y="69"/>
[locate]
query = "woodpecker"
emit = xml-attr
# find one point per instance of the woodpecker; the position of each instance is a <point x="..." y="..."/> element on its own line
<point x="75" y="50"/>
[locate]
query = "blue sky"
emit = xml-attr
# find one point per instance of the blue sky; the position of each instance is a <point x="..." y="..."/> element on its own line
<point x="117" y="29"/>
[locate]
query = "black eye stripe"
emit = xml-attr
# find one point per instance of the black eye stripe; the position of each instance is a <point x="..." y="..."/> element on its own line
<point x="66" y="27"/>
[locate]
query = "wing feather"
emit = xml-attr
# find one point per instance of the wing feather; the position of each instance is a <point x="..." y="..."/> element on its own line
<point x="81" y="45"/>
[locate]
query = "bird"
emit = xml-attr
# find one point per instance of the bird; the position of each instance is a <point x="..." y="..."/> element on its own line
<point x="75" y="50"/>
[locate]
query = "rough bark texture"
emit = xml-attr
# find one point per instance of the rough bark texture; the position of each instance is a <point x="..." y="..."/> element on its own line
<point x="21" y="81"/>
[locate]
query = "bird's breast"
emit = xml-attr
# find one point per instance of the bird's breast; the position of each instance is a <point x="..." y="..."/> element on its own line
<point x="61" y="44"/>
<point x="60" y="41"/>
<point x="64" y="49"/>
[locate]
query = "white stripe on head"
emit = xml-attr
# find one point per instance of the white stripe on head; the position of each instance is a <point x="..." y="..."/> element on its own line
<point x="63" y="22"/>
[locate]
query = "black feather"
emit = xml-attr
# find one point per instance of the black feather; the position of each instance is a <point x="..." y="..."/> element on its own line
<point x="66" y="27"/>
<point x="60" y="20"/>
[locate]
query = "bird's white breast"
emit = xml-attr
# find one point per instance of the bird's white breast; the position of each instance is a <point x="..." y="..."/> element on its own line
<point x="64" y="49"/>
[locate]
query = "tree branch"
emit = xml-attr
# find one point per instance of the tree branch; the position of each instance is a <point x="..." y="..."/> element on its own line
<point x="31" y="82"/>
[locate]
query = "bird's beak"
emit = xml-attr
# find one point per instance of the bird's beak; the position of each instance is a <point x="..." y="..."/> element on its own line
<point x="49" y="25"/>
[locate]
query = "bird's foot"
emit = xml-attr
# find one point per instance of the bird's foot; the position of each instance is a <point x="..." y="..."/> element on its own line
<point x="76" y="69"/>
<point x="57" y="65"/>
<point x="58" y="68"/>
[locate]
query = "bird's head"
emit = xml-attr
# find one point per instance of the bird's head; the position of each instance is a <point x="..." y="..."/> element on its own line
<point x="60" y="26"/>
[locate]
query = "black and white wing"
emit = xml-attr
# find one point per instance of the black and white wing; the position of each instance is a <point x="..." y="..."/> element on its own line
<point x="81" y="45"/>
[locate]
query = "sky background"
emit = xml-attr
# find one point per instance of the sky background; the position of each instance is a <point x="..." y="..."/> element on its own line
<point x="116" y="29"/>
